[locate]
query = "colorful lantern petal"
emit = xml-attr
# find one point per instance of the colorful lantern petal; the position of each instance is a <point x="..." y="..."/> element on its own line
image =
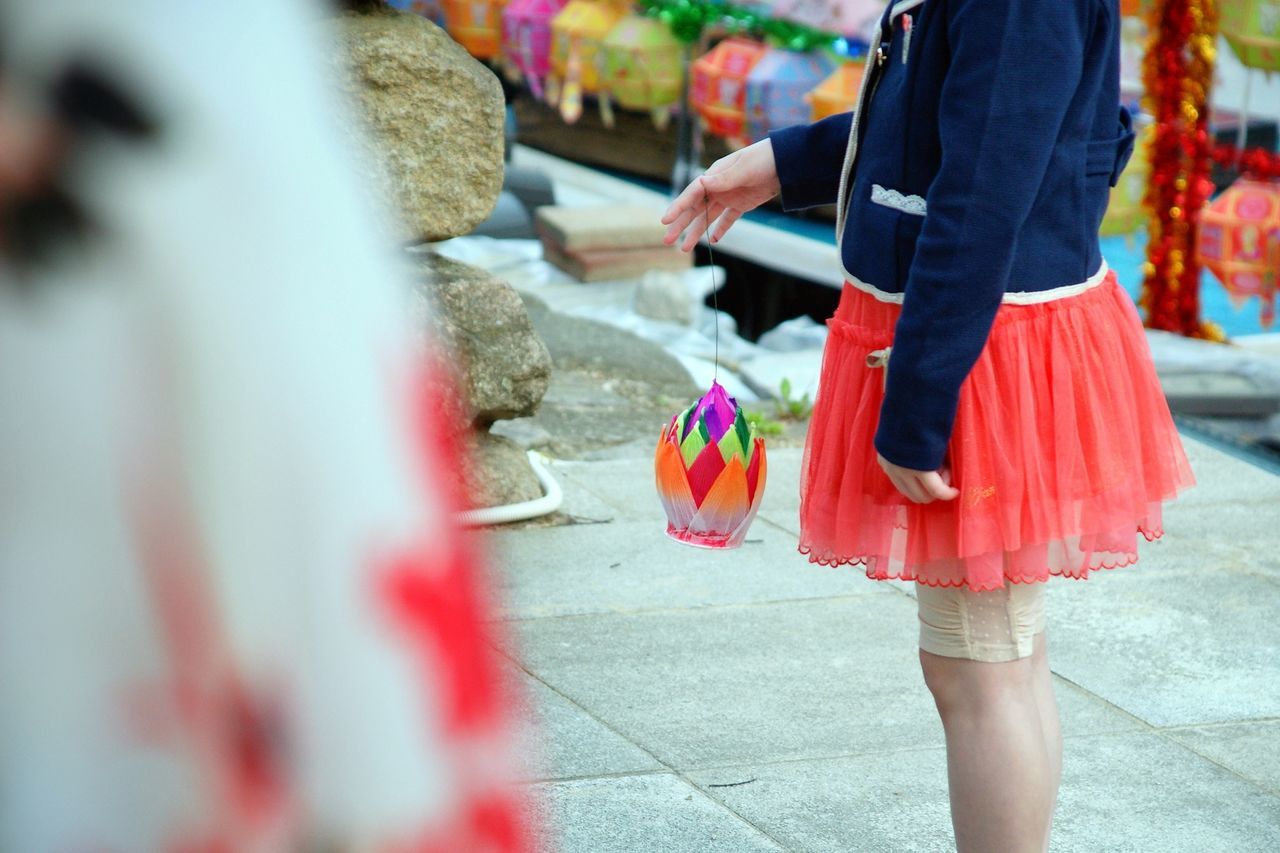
<point x="755" y="469"/>
<point x="694" y="444"/>
<point x="744" y="431"/>
<point x="704" y="471"/>
<point x="716" y="410"/>
<point x="723" y="508"/>
<point x="738" y="534"/>
<point x="673" y="484"/>
<point x="730" y="446"/>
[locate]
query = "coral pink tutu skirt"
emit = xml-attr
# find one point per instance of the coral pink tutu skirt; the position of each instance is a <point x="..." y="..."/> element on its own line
<point x="1063" y="449"/>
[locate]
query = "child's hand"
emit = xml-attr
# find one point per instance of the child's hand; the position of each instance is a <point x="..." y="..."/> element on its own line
<point x="920" y="486"/>
<point x="734" y="184"/>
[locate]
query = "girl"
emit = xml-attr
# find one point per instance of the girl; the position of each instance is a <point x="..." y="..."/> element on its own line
<point x="1018" y="431"/>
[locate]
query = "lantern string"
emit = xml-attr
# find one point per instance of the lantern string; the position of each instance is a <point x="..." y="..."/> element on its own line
<point x="711" y="262"/>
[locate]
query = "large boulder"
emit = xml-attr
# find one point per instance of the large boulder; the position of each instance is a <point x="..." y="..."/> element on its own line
<point x="434" y="117"/>
<point x="505" y="367"/>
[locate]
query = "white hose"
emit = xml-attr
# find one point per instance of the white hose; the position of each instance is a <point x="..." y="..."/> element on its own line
<point x="548" y="503"/>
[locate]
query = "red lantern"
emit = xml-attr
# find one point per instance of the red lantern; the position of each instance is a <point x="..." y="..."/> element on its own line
<point x="1239" y="241"/>
<point x="719" y="90"/>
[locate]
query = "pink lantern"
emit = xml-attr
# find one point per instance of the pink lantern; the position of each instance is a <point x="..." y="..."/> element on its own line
<point x="1239" y="242"/>
<point x="526" y="40"/>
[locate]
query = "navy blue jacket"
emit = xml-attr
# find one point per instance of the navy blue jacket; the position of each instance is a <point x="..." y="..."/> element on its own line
<point x="975" y="173"/>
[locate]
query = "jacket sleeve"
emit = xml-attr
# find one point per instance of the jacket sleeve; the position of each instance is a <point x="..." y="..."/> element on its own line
<point x="1014" y="69"/>
<point x="809" y="159"/>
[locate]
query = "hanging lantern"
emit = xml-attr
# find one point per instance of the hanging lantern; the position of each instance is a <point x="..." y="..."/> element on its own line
<point x="475" y="24"/>
<point x="576" y="35"/>
<point x="641" y="67"/>
<point x="710" y="472"/>
<point x="776" y="88"/>
<point x="429" y="9"/>
<point x="1252" y="28"/>
<point x="526" y="40"/>
<point x="719" y="87"/>
<point x="838" y="93"/>
<point x="1125" y="213"/>
<point x="1239" y="242"/>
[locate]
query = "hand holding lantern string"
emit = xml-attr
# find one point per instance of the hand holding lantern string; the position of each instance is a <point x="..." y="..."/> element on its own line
<point x="733" y="185"/>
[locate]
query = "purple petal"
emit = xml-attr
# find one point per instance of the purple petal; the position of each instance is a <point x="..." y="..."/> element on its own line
<point x="717" y="409"/>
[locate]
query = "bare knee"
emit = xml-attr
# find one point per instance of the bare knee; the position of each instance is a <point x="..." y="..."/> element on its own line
<point x="963" y="687"/>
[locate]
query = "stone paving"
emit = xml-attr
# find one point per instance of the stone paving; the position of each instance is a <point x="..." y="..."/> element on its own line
<point x="687" y="700"/>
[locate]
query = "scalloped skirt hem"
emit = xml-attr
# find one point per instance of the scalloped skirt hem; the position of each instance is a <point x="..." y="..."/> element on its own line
<point x="1063" y="450"/>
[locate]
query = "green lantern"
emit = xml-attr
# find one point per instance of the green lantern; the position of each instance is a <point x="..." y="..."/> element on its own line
<point x="640" y="67"/>
<point x="1252" y="28"/>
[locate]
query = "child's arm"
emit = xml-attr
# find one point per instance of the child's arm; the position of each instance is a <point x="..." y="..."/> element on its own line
<point x="809" y="159"/>
<point x="1015" y="66"/>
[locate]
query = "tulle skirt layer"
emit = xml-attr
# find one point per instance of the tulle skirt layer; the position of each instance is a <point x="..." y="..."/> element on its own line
<point x="1063" y="449"/>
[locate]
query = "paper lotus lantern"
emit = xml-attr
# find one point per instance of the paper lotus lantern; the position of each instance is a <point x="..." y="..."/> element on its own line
<point x="719" y="88"/>
<point x="1125" y="211"/>
<point x="838" y="93"/>
<point x="526" y="40"/>
<point x="475" y="24"/>
<point x="1239" y="242"/>
<point x="710" y="471"/>
<point x="576" y="35"/>
<point x="429" y="9"/>
<point x="640" y="59"/>
<point x="1252" y="28"/>
<point x="776" y="88"/>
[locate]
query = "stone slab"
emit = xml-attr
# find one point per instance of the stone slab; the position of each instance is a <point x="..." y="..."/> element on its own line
<point x="1249" y="749"/>
<point x="627" y="566"/>
<point x="657" y="812"/>
<point x="782" y="503"/>
<point x="1138" y="793"/>
<point x="745" y="684"/>
<point x="1134" y="792"/>
<point x="1193" y="648"/>
<point x="1222" y="477"/>
<point x="559" y="740"/>
<point x="890" y="801"/>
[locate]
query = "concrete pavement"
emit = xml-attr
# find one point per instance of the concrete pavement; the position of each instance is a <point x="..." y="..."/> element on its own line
<point x="687" y="700"/>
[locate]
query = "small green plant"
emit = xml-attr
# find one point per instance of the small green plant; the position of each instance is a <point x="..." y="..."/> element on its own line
<point x="763" y="425"/>
<point x="789" y="407"/>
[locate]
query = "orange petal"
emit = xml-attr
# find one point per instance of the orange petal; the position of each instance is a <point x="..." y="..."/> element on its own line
<point x="724" y="506"/>
<point x="673" y="484"/>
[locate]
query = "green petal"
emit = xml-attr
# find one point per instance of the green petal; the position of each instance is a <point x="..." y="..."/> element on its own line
<point x="743" y="429"/>
<point x="729" y="445"/>
<point x="693" y="444"/>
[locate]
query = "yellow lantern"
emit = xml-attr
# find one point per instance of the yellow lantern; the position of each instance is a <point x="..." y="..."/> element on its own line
<point x="576" y="35"/>
<point x="1252" y="28"/>
<point x="1239" y="242"/>
<point x="1125" y="212"/>
<point x="475" y="24"/>
<point x="838" y="93"/>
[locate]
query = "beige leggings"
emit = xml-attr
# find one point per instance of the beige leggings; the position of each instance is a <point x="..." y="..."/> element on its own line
<point x="995" y="625"/>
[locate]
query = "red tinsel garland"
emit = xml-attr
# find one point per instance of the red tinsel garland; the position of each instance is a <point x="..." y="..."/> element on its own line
<point x="1177" y="70"/>
<point x="1256" y="163"/>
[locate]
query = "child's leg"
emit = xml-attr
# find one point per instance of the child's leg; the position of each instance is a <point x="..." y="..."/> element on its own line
<point x="1050" y="727"/>
<point x="979" y="660"/>
<point x="998" y="770"/>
